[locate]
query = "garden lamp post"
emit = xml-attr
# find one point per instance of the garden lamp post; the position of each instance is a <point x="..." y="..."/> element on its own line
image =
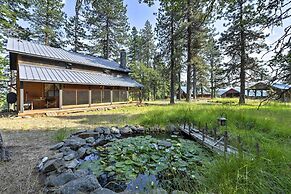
<point x="222" y="121"/>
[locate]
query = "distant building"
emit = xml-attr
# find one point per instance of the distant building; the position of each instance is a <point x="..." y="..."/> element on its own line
<point x="279" y="91"/>
<point x="204" y="93"/>
<point x="228" y="92"/>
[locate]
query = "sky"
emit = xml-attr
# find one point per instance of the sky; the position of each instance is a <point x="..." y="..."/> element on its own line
<point x="137" y="13"/>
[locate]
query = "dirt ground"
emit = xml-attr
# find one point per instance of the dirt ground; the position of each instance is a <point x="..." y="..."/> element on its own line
<point x="19" y="176"/>
<point x="29" y="140"/>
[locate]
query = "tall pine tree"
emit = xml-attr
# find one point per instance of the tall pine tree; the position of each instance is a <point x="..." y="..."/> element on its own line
<point x="169" y="36"/>
<point x="75" y="29"/>
<point x="47" y="21"/>
<point x="148" y="45"/>
<point x="109" y="25"/>
<point x="134" y="45"/>
<point x="241" y="39"/>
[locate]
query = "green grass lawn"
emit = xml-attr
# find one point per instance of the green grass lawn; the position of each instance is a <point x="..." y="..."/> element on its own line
<point x="270" y="126"/>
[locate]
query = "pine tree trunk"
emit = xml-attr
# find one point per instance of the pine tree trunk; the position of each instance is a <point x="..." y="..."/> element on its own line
<point x="46" y="36"/>
<point x="172" y="97"/>
<point x="106" y="42"/>
<point x="243" y="58"/>
<point x="179" y="90"/>
<point x="212" y="78"/>
<point x="189" y="52"/>
<point x="194" y="82"/>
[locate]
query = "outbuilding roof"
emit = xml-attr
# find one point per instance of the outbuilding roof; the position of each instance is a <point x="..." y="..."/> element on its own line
<point x="266" y="85"/>
<point x="38" y="50"/>
<point x="47" y="74"/>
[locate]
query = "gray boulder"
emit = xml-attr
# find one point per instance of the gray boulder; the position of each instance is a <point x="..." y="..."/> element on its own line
<point x="99" y="130"/>
<point x="115" y="130"/>
<point x="74" y="142"/>
<point x="81" y="152"/>
<point x="88" y="134"/>
<point x="70" y="156"/>
<point x="72" y="164"/>
<point x="57" y="146"/>
<point x="125" y="131"/>
<point x="51" y="165"/>
<point x="140" y="129"/>
<point x="106" y="131"/>
<point x="84" y="184"/>
<point x="90" y="140"/>
<point x="58" y="180"/>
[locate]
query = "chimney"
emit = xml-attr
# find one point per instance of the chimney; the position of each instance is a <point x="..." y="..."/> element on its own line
<point x="123" y="58"/>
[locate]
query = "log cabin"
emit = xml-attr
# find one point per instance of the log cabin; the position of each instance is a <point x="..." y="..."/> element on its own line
<point x="48" y="77"/>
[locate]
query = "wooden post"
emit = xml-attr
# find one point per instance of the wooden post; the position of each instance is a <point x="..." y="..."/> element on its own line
<point x="90" y="97"/>
<point x="215" y="134"/>
<point x="203" y="135"/>
<point x="257" y="149"/>
<point x="61" y="97"/>
<point x="225" y="141"/>
<point x="102" y="93"/>
<point x="189" y="128"/>
<point x="239" y="145"/>
<point x="127" y="95"/>
<point x="111" y="96"/>
<point x="206" y="129"/>
<point x="21" y="100"/>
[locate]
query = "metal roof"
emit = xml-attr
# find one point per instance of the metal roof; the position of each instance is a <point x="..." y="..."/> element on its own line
<point x="38" y="50"/>
<point x="69" y="76"/>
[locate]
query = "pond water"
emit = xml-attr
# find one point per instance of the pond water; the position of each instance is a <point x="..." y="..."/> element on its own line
<point x="142" y="162"/>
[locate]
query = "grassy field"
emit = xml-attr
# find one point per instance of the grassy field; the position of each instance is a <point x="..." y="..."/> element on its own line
<point x="270" y="126"/>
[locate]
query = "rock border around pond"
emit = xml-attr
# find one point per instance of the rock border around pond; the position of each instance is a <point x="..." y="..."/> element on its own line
<point x="61" y="173"/>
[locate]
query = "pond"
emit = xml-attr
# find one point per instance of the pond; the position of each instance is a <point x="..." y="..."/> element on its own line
<point x="142" y="162"/>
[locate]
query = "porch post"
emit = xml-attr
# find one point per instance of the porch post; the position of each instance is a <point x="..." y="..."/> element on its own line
<point x="90" y="97"/>
<point x="21" y="103"/>
<point x="111" y="95"/>
<point x="102" y="93"/>
<point x="127" y="95"/>
<point x="61" y="97"/>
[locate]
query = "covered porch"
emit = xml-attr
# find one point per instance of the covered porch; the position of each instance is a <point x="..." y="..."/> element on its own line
<point x="34" y="96"/>
<point x="58" y="88"/>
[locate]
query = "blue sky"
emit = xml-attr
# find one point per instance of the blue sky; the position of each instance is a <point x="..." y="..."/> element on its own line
<point x="138" y="13"/>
